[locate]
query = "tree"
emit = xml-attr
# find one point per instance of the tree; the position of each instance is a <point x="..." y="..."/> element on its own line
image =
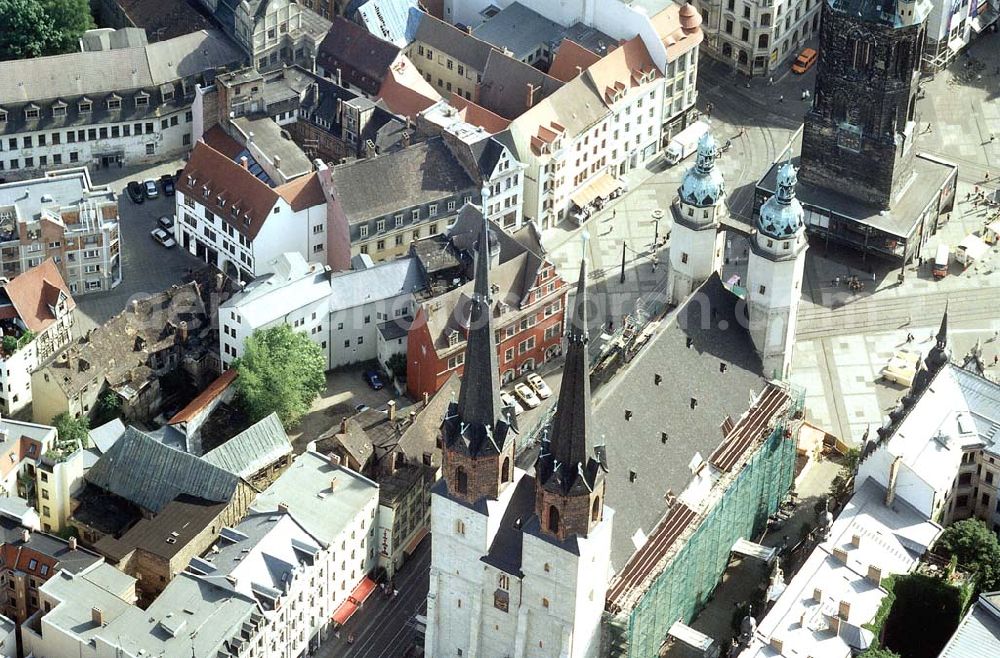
<point x="975" y="548"/>
<point x="280" y="371"/>
<point x="70" y="19"/>
<point x="397" y="365"/>
<point x="72" y="429"/>
<point x="108" y="407"/>
<point x="880" y="653"/>
<point x="32" y="28"/>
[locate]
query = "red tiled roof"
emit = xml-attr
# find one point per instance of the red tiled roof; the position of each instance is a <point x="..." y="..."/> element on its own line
<point x="303" y="192"/>
<point x="214" y="390"/>
<point x="752" y="427"/>
<point x="405" y="91"/>
<point x="218" y="139"/>
<point x="223" y="186"/>
<point x="478" y="115"/>
<point x="35" y="291"/>
<point x="570" y="60"/>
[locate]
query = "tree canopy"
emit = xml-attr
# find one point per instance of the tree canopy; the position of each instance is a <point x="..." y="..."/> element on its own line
<point x="72" y="429"/>
<point x="976" y="549"/>
<point x="280" y="371"/>
<point x="879" y="653"/>
<point x="32" y="28"/>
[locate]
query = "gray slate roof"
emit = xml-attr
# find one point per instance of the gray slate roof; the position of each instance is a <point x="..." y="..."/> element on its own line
<point x="979" y="633"/>
<point x="107" y="434"/>
<point x="450" y="40"/>
<point x="504" y="89"/>
<point x="149" y="474"/>
<point x="520" y="30"/>
<point x="76" y="74"/>
<point x="412" y="176"/>
<point x="256" y="447"/>
<point x="708" y="319"/>
<point x="381" y="282"/>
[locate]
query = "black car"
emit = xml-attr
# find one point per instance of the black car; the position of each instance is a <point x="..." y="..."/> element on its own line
<point x="167" y="184"/>
<point x="136" y="192"/>
<point x="373" y="380"/>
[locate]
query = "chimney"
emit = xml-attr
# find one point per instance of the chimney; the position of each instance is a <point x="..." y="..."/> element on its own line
<point x="413" y="417"/>
<point x="840" y="554"/>
<point x="97" y="616"/>
<point x="182" y="331"/>
<point x="392" y="409"/>
<point x="135" y="305"/>
<point x="817" y="595"/>
<point x="874" y="575"/>
<point x="890" y="490"/>
<point x="579" y="70"/>
<point x="244" y="162"/>
<point x="249" y="138"/>
<point x="25" y="535"/>
<point x="844" y="610"/>
<point x="777" y="644"/>
<point x="834" y="625"/>
<point x="340" y="80"/>
<point x="333" y="484"/>
<point x="427" y="399"/>
<point x="468" y="29"/>
<point x="219" y="279"/>
<point x="343" y="425"/>
<point x="530" y="101"/>
<point x="277" y="162"/>
<point x="340" y="110"/>
<point x="283" y="508"/>
<point x="72" y="543"/>
<point x="856" y="540"/>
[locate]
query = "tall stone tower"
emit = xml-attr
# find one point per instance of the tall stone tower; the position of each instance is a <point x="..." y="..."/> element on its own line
<point x="774" y="275"/>
<point x="696" y="243"/>
<point x="858" y="136"/>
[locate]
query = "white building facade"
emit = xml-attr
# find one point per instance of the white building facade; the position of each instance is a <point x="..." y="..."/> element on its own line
<point x="758" y="38"/>
<point x="340" y="312"/>
<point x="229" y="218"/>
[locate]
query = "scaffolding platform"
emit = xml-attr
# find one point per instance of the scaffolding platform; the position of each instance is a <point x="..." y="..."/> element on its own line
<point x="695" y="639"/>
<point x="750" y="549"/>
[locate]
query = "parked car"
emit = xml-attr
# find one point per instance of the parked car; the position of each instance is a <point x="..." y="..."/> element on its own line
<point x="805" y="60"/>
<point x="135" y="192"/>
<point x="526" y="395"/>
<point x="166" y="222"/>
<point x="167" y="183"/>
<point x="538" y="385"/>
<point x="508" y="400"/>
<point x="373" y="379"/>
<point x="163" y="238"/>
<point x="150" y="186"/>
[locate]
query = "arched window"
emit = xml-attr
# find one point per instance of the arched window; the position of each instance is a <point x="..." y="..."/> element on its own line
<point x="505" y="471"/>
<point x="762" y="41"/>
<point x="553" y="519"/>
<point x="595" y="511"/>
<point x="461" y="481"/>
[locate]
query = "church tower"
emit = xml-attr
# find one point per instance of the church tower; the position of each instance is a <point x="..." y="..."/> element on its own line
<point x="567" y="546"/>
<point x="858" y="137"/>
<point x="478" y="430"/>
<point x="774" y="275"/>
<point x="696" y="243"/>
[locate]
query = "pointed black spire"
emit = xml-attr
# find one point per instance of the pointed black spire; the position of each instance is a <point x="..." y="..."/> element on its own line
<point x="569" y="463"/>
<point x="940" y="354"/>
<point x="478" y="419"/>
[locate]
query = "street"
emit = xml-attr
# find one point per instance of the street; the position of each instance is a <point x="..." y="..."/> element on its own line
<point x="383" y="628"/>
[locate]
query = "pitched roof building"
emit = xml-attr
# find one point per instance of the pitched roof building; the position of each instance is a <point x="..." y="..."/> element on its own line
<point x="354" y="57"/>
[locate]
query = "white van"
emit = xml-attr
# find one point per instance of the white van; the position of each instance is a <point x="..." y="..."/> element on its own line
<point x="685" y="142"/>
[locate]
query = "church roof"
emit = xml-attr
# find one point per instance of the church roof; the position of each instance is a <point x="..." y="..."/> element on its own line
<point x="782" y="215"/>
<point x="680" y="417"/>
<point x="569" y="463"/>
<point x="703" y="184"/>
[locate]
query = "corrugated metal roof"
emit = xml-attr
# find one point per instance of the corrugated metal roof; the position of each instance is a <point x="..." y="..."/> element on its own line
<point x="977" y="636"/>
<point x="149" y="474"/>
<point x="256" y="447"/>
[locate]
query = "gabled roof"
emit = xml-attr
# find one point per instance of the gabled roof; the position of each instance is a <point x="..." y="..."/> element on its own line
<point x="505" y="86"/>
<point x="35" y="293"/>
<point x="212" y="179"/>
<point x="570" y="60"/>
<point x="452" y="41"/>
<point x="149" y="474"/>
<point x="363" y="57"/>
<point x="404" y="91"/>
<point x="303" y="192"/>
<point x="619" y="70"/>
<point x="253" y="449"/>
<point x="419" y="174"/>
<point x="478" y="115"/>
<point x="212" y="391"/>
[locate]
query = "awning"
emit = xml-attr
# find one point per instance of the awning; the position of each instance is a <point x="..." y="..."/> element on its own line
<point x="983" y="20"/>
<point x="419" y="537"/>
<point x="344" y="612"/>
<point x="602" y="186"/>
<point x="362" y="591"/>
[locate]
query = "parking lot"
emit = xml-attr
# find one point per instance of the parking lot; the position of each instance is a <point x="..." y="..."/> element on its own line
<point x="147" y="266"/>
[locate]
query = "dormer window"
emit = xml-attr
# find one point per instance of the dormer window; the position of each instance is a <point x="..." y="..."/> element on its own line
<point x="452" y="338"/>
<point x="85" y="106"/>
<point x="114" y="102"/>
<point x="141" y="99"/>
<point x="31" y="112"/>
<point x="3" y="116"/>
<point x="168" y="94"/>
<point x="59" y="109"/>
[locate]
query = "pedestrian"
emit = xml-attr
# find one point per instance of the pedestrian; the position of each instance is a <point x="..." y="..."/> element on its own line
<point x="350" y="638"/>
<point x="708" y="109"/>
<point x="987" y="176"/>
<point x="781" y="98"/>
<point x="770" y="81"/>
<point x="996" y="358"/>
<point x="992" y="137"/>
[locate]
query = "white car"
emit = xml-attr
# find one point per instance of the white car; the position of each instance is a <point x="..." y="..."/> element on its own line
<point x="538" y="385"/>
<point x="166" y="222"/>
<point x="149" y="187"/>
<point x="526" y="396"/>
<point x="163" y="238"/>
<point x="509" y="400"/>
